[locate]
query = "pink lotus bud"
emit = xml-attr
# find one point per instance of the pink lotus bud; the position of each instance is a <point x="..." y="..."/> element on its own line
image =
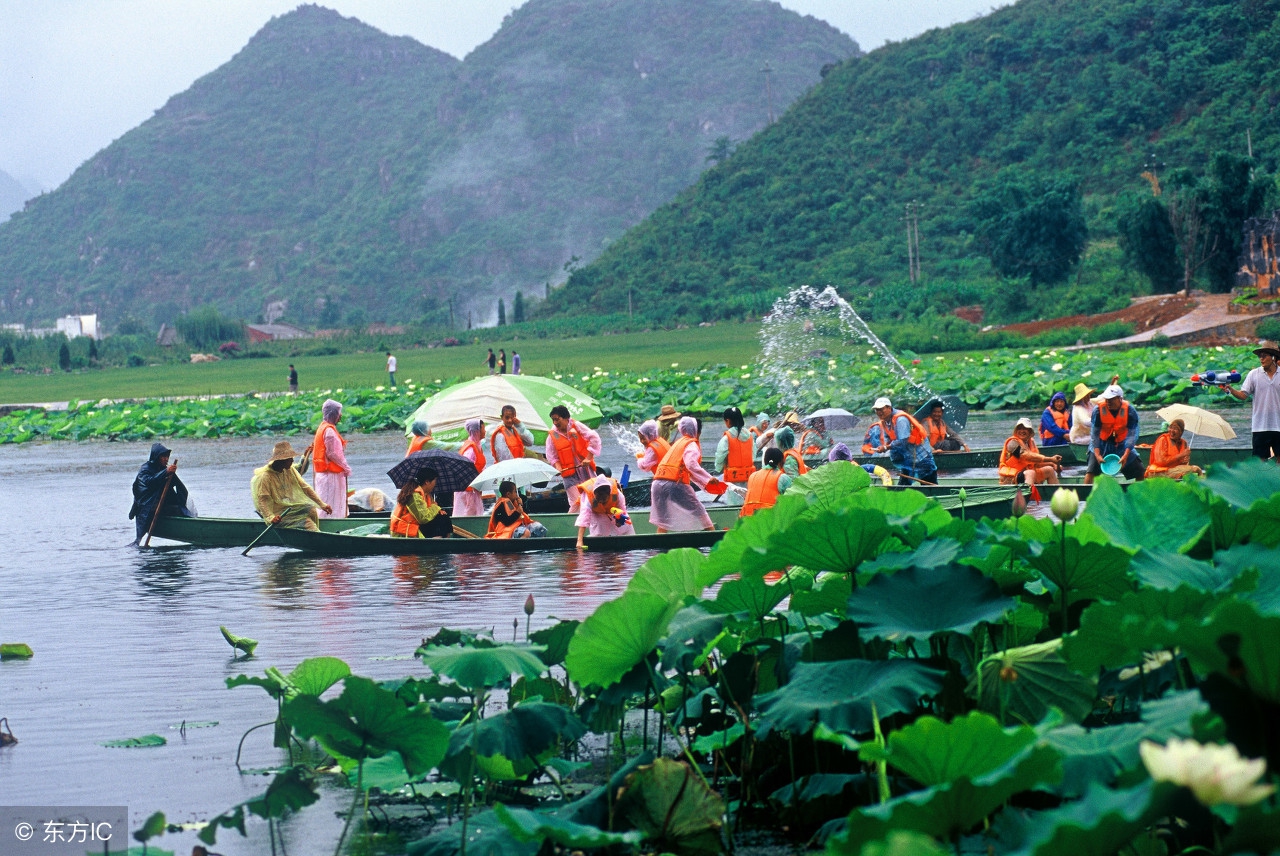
<point x="529" y="607"/>
<point x="1019" y="504"/>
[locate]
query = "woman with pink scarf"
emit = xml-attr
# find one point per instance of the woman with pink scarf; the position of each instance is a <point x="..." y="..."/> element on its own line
<point x="469" y="503"/>
<point x="329" y="460"/>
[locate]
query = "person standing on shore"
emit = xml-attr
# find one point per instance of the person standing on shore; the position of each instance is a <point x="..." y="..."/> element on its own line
<point x="491" y="360"/>
<point x="515" y="362"/>
<point x="502" y="361"/>
<point x="329" y="460"/>
<point x="293" y="380"/>
<point x="1263" y="385"/>
<point x="391" y="368"/>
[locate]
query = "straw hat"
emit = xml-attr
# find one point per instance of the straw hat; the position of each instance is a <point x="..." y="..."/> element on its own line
<point x="668" y="414"/>
<point x="792" y="418"/>
<point x="1267" y="348"/>
<point x="1082" y="391"/>
<point x="282" y="452"/>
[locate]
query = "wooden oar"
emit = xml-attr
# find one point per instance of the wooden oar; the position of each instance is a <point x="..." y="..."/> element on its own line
<point x="255" y="541"/>
<point x="160" y="503"/>
<point x="463" y="533"/>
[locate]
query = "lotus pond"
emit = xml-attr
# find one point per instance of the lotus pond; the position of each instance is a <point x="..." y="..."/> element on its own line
<point x="998" y="381"/>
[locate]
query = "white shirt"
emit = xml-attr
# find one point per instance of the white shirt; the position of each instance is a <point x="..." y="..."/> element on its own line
<point x="1266" y="399"/>
<point x="1081" y="423"/>
<point x="391" y="364"/>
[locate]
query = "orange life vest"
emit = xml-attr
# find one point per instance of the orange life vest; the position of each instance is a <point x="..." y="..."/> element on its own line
<point x="416" y="444"/>
<point x="660" y="448"/>
<point x="755" y="432"/>
<point x="937" y="432"/>
<point x="1113" y="427"/>
<point x="504" y="530"/>
<point x="319" y="457"/>
<point x="571" y="450"/>
<point x="480" y="459"/>
<point x="512" y="438"/>
<point x="1062" y="418"/>
<point x="672" y="467"/>
<point x="613" y="500"/>
<point x="801" y="467"/>
<point x="1162" y="452"/>
<point x="402" y="522"/>
<point x="917" y="436"/>
<point x="762" y="491"/>
<point x="740" y="464"/>
<point x="1011" y="465"/>
<point x="809" y="448"/>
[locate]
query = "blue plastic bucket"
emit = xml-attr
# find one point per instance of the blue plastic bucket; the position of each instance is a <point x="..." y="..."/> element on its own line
<point x="1111" y="464"/>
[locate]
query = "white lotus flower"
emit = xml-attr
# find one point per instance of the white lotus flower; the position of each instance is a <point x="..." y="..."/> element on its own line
<point x="1065" y="504"/>
<point x="1151" y="661"/>
<point x="1037" y="373"/>
<point x="1024" y="356"/>
<point x="379" y="389"/>
<point x="675" y="365"/>
<point x="1057" y="367"/>
<point x="1086" y="374"/>
<point x="1216" y="775"/>
<point x="871" y="353"/>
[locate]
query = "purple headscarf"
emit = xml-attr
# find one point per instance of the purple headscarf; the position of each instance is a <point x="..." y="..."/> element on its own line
<point x="475" y="429"/>
<point x="331" y="410"/>
<point x="689" y="427"/>
<point x="839" y="452"/>
<point x="648" y="430"/>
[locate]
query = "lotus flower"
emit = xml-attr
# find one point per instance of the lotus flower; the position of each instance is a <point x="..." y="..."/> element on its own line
<point x="1065" y="504"/>
<point x="1216" y="775"/>
<point x="1019" y="504"/>
<point x="528" y="606"/>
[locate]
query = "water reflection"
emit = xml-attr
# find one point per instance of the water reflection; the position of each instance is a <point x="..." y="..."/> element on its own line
<point x="413" y="576"/>
<point x="284" y="580"/>
<point x="334" y="579"/>
<point x="163" y="571"/>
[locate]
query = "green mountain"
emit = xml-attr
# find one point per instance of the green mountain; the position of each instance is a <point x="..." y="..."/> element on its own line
<point x="354" y="175"/>
<point x="12" y="195"/>
<point x="1087" y="93"/>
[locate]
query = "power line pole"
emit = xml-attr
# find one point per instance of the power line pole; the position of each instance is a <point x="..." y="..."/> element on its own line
<point x="767" y="71"/>
<point x="911" y="218"/>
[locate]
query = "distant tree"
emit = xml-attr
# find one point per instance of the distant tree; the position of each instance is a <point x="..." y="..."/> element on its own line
<point x="1149" y="243"/>
<point x="1034" y="228"/>
<point x="93" y="350"/>
<point x="205" y="327"/>
<point x="517" y="308"/>
<point x="502" y="312"/>
<point x="720" y="150"/>
<point x="8" y="359"/>
<point x="64" y="357"/>
<point x="131" y="325"/>
<point x="1232" y="190"/>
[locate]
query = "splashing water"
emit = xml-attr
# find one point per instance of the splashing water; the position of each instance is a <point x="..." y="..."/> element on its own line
<point x="626" y="437"/>
<point x="792" y="337"/>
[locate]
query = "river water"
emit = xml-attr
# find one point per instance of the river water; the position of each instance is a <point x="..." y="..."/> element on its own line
<point x="127" y="644"/>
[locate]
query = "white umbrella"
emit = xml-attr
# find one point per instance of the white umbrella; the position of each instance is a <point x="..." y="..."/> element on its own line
<point x="522" y="471"/>
<point x="834" y="418"/>
<point x="1198" y="421"/>
<point x="533" y="397"/>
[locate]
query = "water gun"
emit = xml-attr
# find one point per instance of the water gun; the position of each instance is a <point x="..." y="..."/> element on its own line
<point x="1212" y="378"/>
<point x="620" y="517"/>
<point x="626" y="477"/>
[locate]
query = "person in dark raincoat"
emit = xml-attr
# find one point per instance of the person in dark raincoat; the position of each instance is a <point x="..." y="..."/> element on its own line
<point x="148" y="487"/>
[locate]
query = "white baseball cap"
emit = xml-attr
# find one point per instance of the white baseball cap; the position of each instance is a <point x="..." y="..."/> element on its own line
<point x="1112" y="391"/>
<point x="1024" y="422"/>
<point x="881" y="402"/>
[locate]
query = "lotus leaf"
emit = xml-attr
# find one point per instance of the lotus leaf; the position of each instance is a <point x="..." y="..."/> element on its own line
<point x="692" y="633"/>
<point x="838" y="540"/>
<point x="480" y="668"/>
<point x="810" y="800"/>
<point x="617" y="636"/>
<point x="1100" y="824"/>
<point x="1024" y="684"/>
<point x="1115" y="635"/>
<point x="931" y="554"/>
<point x="1256" y="829"/>
<point x="1266" y="597"/>
<point x="135" y="742"/>
<point x="672" y="576"/>
<point x="829" y="594"/>
<point x="555" y="639"/>
<point x="840" y="693"/>
<point x="367" y="721"/>
<point x="903" y="507"/>
<point x="673" y="808"/>
<point x="919" y="602"/>
<point x="902" y="843"/>
<point x="1084" y="571"/>
<point x="239" y="643"/>
<point x="385" y="773"/>
<point x="290" y="790"/>
<point x="1165" y="570"/>
<point x="933" y="752"/>
<point x="830" y="487"/>
<point x="719" y="740"/>
<point x="1246" y="484"/>
<point x="750" y="538"/>
<point x="16" y="651"/>
<point x="536" y="826"/>
<point x="545" y="688"/>
<point x="526" y="731"/>
<point x="487" y="835"/>
<point x="749" y="594"/>
<point x="151" y="827"/>
<point x="1240" y="643"/>
<point x="1159" y="514"/>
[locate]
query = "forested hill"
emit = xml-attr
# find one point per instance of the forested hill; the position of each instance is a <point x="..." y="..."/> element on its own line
<point x="356" y="175"/>
<point x="12" y="195"/>
<point x="1086" y="92"/>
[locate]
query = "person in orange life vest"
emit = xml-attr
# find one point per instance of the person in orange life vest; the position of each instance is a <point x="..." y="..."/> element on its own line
<point x="655" y="448"/>
<point x="942" y="438"/>
<point x="907" y="444"/>
<point x="673" y="504"/>
<point x="508" y="518"/>
<point x="469" y="503"/>
<point x="1022" y="463"/>
<point x="572" y="448"/>
<point x="873" y="439"/>
<point x="735" y="453"/>
<point x="417" y="514"/>
<point x="1114" y="431"/>
<point x="765" y="485"/>
<point x="814" y="439"/>
<point x="1171" y="455"/>
<point x="764" y="436"/>
<point x="792" y="461"/>
<point x="511" y="438"/>
<point x="1055" y="422"/>
<point x="605" y="513"/>
<point x="329" y="461"/>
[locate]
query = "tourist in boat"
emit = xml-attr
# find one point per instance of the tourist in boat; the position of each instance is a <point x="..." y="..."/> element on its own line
<point x="792" y="461"/>
<point x="469" y="502"/>
<point x="655" y="448"/>
<point x="508" y="518"/>
<point x="873" y="440"/>
<point x="668" y="416"/>
<point x="156" y="478"/>
<point x="907" y="443"/>
<point x="765" y="485"/>
<point x="329" y="461"/>
<point x="841" y="452"/>
<point x="606" y="512"/>
<point x="1263" y="384"/>
<point x="509" y="438"/>
<point x="763" y="435"/>
<point x="814" y="439"/>
<point x="417" y="514"/>
<point x="735" y="453"/>
<point x="422" y="441"/>
<point x="1082" y="407"/>
<point x="1171" y="455"/>
<point x="1114" y="431"/>
<point x="572" y="448"/>
<point x="1055" y="422"/>
<point x="1022" y="463"/>
<point x="281" y="496"/>
<point x="673" y="504"/>
<point x="942" y="437"/>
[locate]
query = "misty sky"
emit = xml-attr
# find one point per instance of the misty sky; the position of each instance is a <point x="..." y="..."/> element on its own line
<point x="76" y="74"/>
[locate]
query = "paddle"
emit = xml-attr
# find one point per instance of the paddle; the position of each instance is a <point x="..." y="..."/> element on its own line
<point x="160" y="503"/>
<point x="255" y="541"/>
<point x="463" y="533"/>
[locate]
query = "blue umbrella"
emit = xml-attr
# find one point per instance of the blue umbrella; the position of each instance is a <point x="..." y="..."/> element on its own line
<point x="454" y="472"/>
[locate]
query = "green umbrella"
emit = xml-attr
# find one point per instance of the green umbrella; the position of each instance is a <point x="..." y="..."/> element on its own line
<point x="533" y="397"/>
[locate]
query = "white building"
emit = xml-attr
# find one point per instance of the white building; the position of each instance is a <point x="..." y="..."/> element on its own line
<point x="79" y="325"/>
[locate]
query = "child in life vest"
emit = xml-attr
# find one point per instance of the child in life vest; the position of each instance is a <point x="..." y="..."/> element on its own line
<point x="508" y="518"/>
<point x="606" y="513"/>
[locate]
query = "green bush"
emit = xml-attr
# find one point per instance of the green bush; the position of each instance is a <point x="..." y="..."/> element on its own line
<point x="136" y="361"/>
<point x="1268" y="328"/>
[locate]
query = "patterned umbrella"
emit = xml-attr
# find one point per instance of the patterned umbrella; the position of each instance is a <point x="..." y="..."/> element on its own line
<point x="532" y="397"/>
<point x="455" y="472"/>
<point x="833" y="418"/>
<point x="954" y="411"/>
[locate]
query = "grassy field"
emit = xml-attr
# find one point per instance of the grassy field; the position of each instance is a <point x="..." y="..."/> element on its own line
<point x="729" y="343"/>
